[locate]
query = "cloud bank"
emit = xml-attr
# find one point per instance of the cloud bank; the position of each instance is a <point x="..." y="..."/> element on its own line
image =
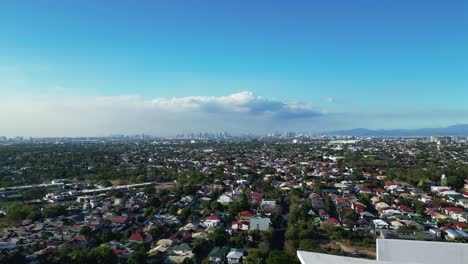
<point x="239" y="103"/>
<point x="241" y="112"/>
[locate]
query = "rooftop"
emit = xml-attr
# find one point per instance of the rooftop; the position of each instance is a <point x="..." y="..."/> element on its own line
<point x="398" y="252"/>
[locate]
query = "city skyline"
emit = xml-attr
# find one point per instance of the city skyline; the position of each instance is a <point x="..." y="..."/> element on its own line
<point x="163" y="68"/>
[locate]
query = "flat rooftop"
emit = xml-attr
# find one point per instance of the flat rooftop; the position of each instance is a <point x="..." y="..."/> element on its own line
<point x="317" y="258"/>
<point x="394" y="251"/>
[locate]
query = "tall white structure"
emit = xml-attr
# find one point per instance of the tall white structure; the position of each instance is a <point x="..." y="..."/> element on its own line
<point x="443" y="180"/>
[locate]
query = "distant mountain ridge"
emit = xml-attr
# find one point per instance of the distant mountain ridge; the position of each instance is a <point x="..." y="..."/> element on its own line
<point x="455" y="130"/>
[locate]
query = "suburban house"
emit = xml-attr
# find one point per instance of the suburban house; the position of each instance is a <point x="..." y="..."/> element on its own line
<point x="224" y="199"/>
<point x="218" y="255"/>
<point x="245" y="215"/>
<point x="235" y="256"/>
<point x="323" y="214"/>
<point x="454" y="234"/>
<point x="140" y="237"/>
<point x="240" y="225"/>
<point x="380" y="224"/>
<point x="212" y="221"/>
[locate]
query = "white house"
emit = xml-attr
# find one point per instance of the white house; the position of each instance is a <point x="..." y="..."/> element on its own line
<point x="381" y="206"/>
<point x="183" y="250"/>
<point x="391" y="212"/>
<point x="380" y="224"/>
<point x="235" y="256"/>
<point x="212" y="221"/>
<point x="240" y="225"/>
<point x="460" y="216"/>
<point x="224" y="199"/>
<point x="396" y="224"/>
<point x="268" y="203"/>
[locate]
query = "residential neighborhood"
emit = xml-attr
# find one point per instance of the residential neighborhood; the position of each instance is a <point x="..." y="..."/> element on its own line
<point x="256" y="201"/>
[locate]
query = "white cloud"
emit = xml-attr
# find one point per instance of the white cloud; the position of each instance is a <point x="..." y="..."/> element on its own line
<point x="93" y="116"/>
<point x="243" y="102"/>
<point x="330" y="99"/>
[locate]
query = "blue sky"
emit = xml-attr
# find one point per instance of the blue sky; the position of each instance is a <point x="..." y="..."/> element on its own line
<point x="328" y="64"/>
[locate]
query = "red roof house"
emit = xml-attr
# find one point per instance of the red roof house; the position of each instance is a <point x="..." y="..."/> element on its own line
<point x="138" y="236"/>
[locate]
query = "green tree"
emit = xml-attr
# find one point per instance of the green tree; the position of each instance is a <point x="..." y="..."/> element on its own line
<point x="291" y="246"/>
<point x="215" y="205"/>
<point x="137" y="257"/>
<point x="156" y="232"/>
<point x="100" y="255"/>
<point x="11" y="256"/>
<point x="292" y="232"/>
<point x="19" y="212"/>
<point x="309" y="245"/>
<point x="85" y="230"/>
<point x="54" y="211"/>
<point x="128" y="232"/>
<point x="148" y="190"/>
<point x="419" y="208"/>
<point x="456" y="182"/>
<point x="103" y="255"/>
<point x="240" y="240"/>
<point x="141" y="179"/>
<point x="154" y="202"/>
<point x="186" y="213"/>
<point x="201" y="247"/>
<point x="106" y="235"/>
<point x="244" y="203"/>
<point x="79" y="257"/>
<point x="33" y="193"/>
<point x="218" y="237"/>
<point x="172" y="210"/>
<point x="279" y="257"/>
<point x="352" y="215"/>
<point x="311" y="233"/>
<point x="106" y="183"/>
<point x="256" y="256"/>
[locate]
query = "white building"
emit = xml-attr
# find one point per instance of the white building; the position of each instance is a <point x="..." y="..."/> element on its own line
<point x="224" y="199"/>
<point x="393" y="251"/>
<point x="259" y="223"/>
<point x="239" y="225"/>
<point x="380" y="224"/>
<point x="212" y="221"/>
<point x="235" y="256"/>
